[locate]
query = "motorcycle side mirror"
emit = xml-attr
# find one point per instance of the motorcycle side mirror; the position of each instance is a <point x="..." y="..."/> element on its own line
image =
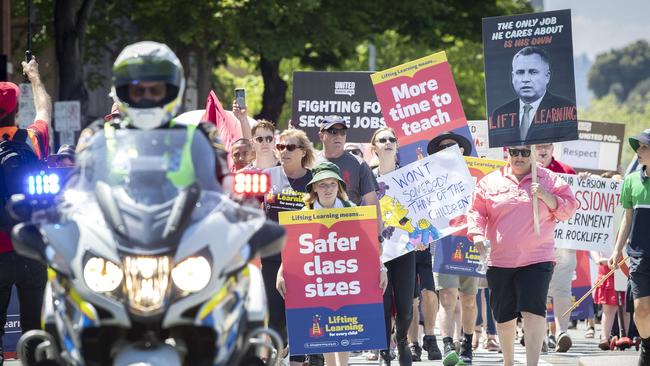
<point x="268" y="240"/>
<point x="28" y="241"/>
<point x="19" y="208"/>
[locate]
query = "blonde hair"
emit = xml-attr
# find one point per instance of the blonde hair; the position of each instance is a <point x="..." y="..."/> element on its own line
<point x="374" y="137"/>
<point x="310" y="156"/>
<point x="312" y="196"/>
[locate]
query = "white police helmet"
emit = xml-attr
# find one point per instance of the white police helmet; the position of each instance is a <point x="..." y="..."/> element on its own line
<point x="148" y="62"/>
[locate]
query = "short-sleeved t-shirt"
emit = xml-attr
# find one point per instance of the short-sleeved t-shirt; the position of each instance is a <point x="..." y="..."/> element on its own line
<point x="286" y="194"/>
<point x="357" y="175"/>
<point x="636" y="195"/>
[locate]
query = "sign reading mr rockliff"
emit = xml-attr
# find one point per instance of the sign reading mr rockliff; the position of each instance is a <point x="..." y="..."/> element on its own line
<point x="529" y="82"/>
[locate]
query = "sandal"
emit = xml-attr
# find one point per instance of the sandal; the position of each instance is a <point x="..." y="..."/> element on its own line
<point x="491" y="345"/>
<point x="590" y="333"/>
<point x="604" y="344"/>
<point x="372" y="355"/>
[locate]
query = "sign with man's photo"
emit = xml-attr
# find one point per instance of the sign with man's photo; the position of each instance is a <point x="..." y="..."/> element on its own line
<point x="529" y="81"/>
<point x="350" y="95"/>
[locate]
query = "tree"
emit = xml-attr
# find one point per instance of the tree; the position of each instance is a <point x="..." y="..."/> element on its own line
<point x="620" y="70"/>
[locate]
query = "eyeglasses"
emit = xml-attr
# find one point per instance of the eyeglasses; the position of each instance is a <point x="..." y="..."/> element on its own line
<point x="516" y="152"/>
<point x="387" y="139"/>
<point x="289" y="147"/>
<point x="261" y="139"/>
<point x="337" y="131"/>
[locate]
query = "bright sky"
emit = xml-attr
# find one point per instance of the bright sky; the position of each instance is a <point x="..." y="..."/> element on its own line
<point x="601" y="25"/>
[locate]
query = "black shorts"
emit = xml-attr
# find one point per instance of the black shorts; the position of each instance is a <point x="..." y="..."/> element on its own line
<point x="640" y="276"/>
<point x="424" y="272"/>
<point x="515" y="290"/>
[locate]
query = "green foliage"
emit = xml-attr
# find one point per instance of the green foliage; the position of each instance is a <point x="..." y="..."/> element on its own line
<point x="619" y="71"/>
<point x="239" y="73"/>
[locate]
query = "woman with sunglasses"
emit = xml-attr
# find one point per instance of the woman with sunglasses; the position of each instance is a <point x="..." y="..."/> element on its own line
<point x="401" y="270"/>
<point x="263" y="146"/>
<point x="288" y="186"/>
<point x="520" y="262"/>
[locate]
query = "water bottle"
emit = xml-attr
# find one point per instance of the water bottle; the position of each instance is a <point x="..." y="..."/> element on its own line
<point x="483" y="266"/>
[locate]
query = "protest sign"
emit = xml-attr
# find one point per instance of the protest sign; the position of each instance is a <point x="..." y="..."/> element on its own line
<point x="529" y="81"/>
<point x="597" y="150"/>
<point x="592" y="227"/>
<point x="456" y="254"/>
<point x="479" y="131"/>
<point x="419" y="101"/>
<point x="331" y="270"/>
<point x="67" y="120"/>
<point x="26" y="107"/>
<point x="347" y="94"/>
<point x="580" y="285"/>
<point x="421" y="202"/>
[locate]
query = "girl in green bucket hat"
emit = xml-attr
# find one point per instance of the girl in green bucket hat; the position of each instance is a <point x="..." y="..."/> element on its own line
<point x="326" y="189"/>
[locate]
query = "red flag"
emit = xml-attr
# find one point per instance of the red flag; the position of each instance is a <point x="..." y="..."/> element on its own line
<point x="227" y="125"/>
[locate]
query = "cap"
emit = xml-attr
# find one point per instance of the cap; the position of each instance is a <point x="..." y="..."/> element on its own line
<point x="642" y="138"/>
<point x="9" y="94"/>
<point x="434" y="145"/>
<point x="67" y="150"/>
<point x="330" y="121"/>
<point x="325" y="170"/>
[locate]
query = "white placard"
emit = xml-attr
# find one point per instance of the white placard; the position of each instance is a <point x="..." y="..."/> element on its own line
<point x="26" y="109"/>
<point x="479" y="131"/>
<point x="593" y="226"/>
<point x="420" y="201"/>
<point x="66" y="137"/>
<point x="67" y="116"/>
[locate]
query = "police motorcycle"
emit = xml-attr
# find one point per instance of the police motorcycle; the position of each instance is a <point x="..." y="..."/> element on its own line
<point x="148" y="258"/>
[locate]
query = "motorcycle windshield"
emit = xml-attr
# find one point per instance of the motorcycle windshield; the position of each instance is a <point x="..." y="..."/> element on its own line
<point x="149" y="185"/>
<point x="148" y="167"/>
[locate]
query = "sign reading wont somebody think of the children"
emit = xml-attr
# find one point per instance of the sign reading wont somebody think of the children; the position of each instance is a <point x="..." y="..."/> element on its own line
<point x="592" y="227"/>
<point x="331" y="269"/>
<point x="422" y="200"/>
<point x="529" y="81"/>
<point x="347" y="94"/>
<point x="419" y="101"/>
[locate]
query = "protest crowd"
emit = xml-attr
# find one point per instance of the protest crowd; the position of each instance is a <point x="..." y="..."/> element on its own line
<point x="435" y="301"/>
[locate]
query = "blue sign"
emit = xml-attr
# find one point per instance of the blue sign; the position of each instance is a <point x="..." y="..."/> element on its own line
<point x="455" y="255"/>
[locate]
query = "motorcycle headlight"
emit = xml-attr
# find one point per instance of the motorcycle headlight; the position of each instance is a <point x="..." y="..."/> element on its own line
<point x="192" y="274"/>
<point x="102" y="275"/>
<point x="147" y="282"/>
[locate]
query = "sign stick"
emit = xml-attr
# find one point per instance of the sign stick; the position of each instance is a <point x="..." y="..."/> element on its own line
<point x="533" y="163"/>
<point x="596" y="285"/>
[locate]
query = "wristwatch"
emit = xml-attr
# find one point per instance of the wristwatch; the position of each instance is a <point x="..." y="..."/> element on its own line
<point x="383" y="268"/>
<point x="381" y="239"/>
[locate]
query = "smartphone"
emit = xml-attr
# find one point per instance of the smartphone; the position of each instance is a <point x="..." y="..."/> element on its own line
<point x="240" y="97"/>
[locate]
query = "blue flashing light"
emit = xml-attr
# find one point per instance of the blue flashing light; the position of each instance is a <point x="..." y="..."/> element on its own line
<point x="43" y="184"/>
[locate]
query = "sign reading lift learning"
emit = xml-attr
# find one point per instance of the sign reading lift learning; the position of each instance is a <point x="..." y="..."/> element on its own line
<point x="331" y="268"/>
<point x="529" y="82"/>
<point x="419" y="101"/>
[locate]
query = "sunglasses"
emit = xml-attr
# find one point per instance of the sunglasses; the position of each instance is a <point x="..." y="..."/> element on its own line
<point x="516" y="152"/>
<point x="261" y="139"/>
<point x="336" y="131"/>
<point x="289" y="147"/>
<point x="388" y="139"/>
<point x="356" y="152"/>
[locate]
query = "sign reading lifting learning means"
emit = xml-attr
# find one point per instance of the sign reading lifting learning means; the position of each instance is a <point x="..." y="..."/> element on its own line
<point x="347" y="94"/>
<point x="424" y="199"/>
<point x="331" y="270"/>
<point x="419" y="101"/>
<point x="592" y="226"/>
<point x="456" y="254"/>
<point x="529" y="81"/>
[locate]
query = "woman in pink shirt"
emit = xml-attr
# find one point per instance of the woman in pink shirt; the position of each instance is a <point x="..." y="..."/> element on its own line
<point x="520" y="262"/>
